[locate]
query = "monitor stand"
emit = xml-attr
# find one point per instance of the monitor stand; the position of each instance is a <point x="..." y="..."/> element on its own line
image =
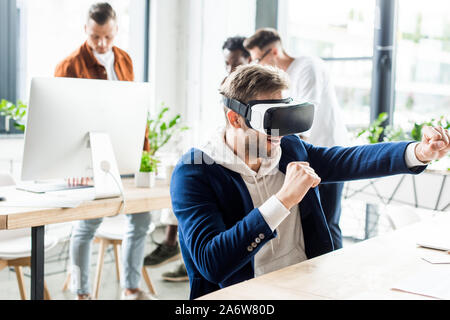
<point x="107" y="182"/>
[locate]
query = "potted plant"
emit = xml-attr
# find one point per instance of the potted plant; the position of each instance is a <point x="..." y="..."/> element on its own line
<point x="160" y="133"/>
<point x="146" y="176"/>
<point x="16" y="112"/>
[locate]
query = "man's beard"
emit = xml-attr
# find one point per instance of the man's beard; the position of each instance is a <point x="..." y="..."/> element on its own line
<point x="256" y="147"/>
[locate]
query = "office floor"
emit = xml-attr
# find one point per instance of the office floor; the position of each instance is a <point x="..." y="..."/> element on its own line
<point x="109" y="290"/>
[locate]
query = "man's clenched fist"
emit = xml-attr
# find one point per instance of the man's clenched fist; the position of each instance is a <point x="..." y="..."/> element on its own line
<point x="300" y="177"/>
<point x="435" y="144"/>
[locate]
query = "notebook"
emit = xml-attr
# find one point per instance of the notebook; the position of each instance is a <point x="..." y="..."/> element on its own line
<point x="438" y="241"/>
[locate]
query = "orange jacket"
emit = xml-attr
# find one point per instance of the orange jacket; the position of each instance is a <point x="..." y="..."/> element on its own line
<point x="83" y="64"/>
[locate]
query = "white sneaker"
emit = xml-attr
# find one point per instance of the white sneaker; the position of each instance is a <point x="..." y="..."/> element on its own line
<point x="140" y="295"/>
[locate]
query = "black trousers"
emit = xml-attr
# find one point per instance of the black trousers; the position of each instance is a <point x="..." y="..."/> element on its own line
<point x="330" y="198"/>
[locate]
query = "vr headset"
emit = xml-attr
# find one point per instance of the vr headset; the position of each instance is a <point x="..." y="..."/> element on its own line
<point x="274" y="117"/>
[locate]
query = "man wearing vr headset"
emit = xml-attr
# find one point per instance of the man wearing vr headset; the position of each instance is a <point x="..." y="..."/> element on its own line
<point x="309" y="81"/>
<point x="247" y="203"/>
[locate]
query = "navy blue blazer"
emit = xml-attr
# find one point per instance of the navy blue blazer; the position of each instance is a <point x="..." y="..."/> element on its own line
<point x="217" y="221"/>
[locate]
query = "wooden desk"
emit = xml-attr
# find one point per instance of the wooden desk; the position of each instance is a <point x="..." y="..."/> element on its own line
<point x="137" y="200"/>
<point x="366" y="270"/>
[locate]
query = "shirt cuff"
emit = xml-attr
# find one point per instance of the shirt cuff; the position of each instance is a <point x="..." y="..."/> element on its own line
<point x="273" y="212"/>
<point x="410" y="156"/>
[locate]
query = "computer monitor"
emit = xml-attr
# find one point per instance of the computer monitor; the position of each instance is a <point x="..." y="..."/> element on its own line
<point x="63" y="111"/>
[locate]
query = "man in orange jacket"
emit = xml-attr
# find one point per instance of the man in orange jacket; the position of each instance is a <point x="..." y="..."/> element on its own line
<point x="98" y="58"/>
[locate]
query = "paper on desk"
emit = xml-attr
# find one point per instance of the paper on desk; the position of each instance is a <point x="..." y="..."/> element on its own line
<point x="438" y="237"/>
<point x="436" y="257"/>
<point x="433" y="283"/>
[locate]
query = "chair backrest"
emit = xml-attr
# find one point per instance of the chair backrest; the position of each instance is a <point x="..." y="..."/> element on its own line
<point x="401" y="216"/>
<point x="6" y="180"/>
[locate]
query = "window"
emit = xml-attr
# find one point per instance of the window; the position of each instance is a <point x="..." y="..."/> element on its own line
<point x="220" y="22"/>
<point x="211" y="23"/>
<point x="423" y="62"/>
<point x="52" y="29"/>
<point x="8" y="58"/>
<point x="340" y="32"/>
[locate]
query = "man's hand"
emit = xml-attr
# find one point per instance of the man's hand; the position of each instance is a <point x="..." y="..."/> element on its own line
<point x="434" y="145"/>
<point x="300" y="177"/>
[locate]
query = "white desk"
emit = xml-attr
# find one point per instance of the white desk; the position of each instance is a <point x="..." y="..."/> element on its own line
<point x="366" y="270"/>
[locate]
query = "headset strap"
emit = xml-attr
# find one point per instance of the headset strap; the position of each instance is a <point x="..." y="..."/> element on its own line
<point x="273" y="101"/>
<point x="245" y="110"/>
<point x="238" y="107"/>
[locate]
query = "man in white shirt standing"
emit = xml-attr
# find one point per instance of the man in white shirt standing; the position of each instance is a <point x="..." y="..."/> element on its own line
<point x="309" y="81"/>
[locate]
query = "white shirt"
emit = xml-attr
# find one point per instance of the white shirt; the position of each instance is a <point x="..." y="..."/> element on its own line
<point x="107" y="60"/>
<point x="310" y="82"/>
<point x="288" y="247"/>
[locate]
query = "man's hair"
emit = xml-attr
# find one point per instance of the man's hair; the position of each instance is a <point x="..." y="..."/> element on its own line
<point x="248" y="81"/>
<point x="101" y="13"/>
<point x="236" y="43"/>
<point x="262" y="38"/>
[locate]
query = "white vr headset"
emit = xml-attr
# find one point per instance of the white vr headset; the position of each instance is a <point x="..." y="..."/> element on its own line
<point x="279" y="117"/>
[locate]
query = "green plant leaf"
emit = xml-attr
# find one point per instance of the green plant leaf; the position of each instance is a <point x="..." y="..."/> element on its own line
<point x="163" y="111"/>
<point x="160" y="131"/>
<point x="148" y="163"/>
<point x="174" y="121"/>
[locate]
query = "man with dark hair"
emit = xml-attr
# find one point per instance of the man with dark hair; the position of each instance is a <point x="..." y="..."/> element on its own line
<point x="98" y="58"/>
<point x="309" y="81"/>
<point x="102" y="13"/>
<point x="247" y="202"/>
<point x="234" y="53"/>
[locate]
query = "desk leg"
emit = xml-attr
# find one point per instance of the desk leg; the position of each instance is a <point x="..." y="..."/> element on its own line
<point x="37" y="263"/>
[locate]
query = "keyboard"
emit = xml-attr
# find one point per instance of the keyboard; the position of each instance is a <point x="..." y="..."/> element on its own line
<point x="42" y="188"/>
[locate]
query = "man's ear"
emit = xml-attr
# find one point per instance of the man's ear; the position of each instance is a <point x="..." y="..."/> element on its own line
<point x="275" y="51"/>
<point x="85" y="28"/>
<point x="233" y="119"/>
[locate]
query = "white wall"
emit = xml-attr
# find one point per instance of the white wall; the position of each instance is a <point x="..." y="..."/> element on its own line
<point x="187" y="64"/>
